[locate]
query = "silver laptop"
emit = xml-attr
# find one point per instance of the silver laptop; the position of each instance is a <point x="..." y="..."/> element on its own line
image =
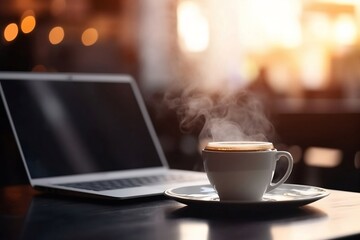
<point x="87" y="134"/>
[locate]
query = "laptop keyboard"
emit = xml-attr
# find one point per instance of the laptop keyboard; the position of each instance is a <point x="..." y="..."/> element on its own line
<point x="130" y="182"/>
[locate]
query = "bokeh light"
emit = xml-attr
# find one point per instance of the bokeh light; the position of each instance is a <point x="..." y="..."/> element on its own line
<point x="11" y="31"/>
<point x="89" y="36"/>
<point x="28" y="24"/>
<point x="56" y="35"/>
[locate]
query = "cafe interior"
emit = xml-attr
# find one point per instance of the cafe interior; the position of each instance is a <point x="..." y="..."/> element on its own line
<point x="282" y="71"/>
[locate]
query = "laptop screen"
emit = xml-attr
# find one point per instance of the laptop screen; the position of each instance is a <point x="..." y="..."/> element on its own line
<point x="75" y="127"/>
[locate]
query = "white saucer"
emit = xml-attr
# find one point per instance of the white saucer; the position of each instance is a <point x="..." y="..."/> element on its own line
<point x="285" y="196"/>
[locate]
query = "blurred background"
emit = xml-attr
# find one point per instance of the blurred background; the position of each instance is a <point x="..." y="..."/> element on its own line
<point x="301" y="58"/>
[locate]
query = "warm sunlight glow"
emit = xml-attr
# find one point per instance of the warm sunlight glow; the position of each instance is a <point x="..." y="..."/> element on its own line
<point x="318" y="26"/>
<point x="345" y="31"/>
<point x="263" y="24"/>
<point x="279" y="77"/>
<point x="11" y="31"/>
<point x="89" y="36"/>
<point x="56" y="35"/>
<point x="350" y="2"/>
<point x="193" y="29"/>
<point x="28" y="24"/>
<point x="313" y="68"/>
<point x="322" y="157"/>
<point x="298" y="43"/>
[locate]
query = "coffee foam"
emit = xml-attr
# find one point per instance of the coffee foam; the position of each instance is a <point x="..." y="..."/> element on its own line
<point x="239" y="146"/>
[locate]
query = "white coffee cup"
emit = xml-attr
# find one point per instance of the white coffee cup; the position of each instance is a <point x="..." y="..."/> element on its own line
<point x="243" y="171"/>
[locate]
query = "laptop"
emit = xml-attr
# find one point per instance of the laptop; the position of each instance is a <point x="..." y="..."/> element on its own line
<point x="88" y="134"/>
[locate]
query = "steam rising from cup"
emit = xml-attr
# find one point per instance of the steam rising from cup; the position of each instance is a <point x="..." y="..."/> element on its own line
<point x="222" y="116"/>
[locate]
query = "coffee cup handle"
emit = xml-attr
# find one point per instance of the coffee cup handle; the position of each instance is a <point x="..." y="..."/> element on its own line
<point x="290" y="160"/>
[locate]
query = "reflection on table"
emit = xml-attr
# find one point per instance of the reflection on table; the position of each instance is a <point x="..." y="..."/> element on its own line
<point x="27" y="214"/>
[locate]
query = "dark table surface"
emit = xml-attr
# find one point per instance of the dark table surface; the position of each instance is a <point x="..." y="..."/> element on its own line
<point x="27" y="214"/>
